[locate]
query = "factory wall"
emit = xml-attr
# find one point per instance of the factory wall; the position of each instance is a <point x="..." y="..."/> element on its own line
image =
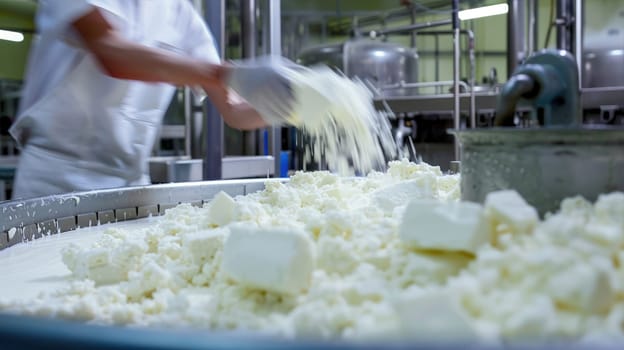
<point x="13" y="56"/>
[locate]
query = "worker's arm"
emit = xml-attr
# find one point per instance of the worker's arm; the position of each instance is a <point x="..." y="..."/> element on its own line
<point x="124" y="59"/>
<point x="236" y="112"/>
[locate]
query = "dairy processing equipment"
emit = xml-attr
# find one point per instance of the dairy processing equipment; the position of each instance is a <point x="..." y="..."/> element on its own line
<point x="527" y="134"/>
<point x="550" y="158"/>
<point x="380" y="63"/>
<point x="423" y="110"/>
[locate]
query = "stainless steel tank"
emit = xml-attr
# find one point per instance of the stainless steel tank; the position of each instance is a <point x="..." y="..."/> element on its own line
<point x="381" y="63"/>
<point x="603" y="68"/>
<point x="329" y="55"/>
<point x="544" y="165"/>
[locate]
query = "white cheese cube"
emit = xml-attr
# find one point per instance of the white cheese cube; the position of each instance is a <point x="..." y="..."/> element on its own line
<point x="221" y="211"/>
<point x="454" y="226"/>
<point x="609" y="208"/>
<point x="507" y="211"/>
<point x="201" y="246"/>
<point x="582" y="287"/>
<point x="278" y="259"/>
<point x="434" y="315"/>
<point x="389" y="197"/>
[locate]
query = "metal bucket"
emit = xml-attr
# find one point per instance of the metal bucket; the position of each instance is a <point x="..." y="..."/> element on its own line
<point x="543" y="165"/>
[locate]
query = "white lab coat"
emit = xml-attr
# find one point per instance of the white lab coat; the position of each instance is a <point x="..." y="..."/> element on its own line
<point x="81" y="129"/>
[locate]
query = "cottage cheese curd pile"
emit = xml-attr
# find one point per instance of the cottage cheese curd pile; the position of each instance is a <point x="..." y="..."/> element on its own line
<point x="393" y="255"/>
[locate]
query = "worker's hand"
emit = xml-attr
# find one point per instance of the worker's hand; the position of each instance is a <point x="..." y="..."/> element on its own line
<point x="265" y="85"/>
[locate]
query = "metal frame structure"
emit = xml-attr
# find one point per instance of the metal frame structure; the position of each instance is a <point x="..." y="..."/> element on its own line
<point x="214" y="12"/>
<point x="213" y="155"/>
<point x="24" y="220"/>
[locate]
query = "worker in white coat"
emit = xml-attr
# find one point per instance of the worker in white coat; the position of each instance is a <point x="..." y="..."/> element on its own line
<point x="100" y="76"/>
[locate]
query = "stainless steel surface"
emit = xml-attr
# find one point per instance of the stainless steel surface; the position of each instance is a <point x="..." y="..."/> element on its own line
<point x="532" y="26"/>
<point x="214" y="13"/>
<point x="36" y="217"/>
<point x="248" y="27"/>
<point x="473" y="73"/>
<point x="175" y="169"/>
<point x="251" y="138"/>
<point x="184" y="169"/>
<point x="564" y="25"/>
<point x="515" y="35"/>
<point x="456" y="52"/>
<point x="379" y="62"/>
<point x="246" y="167"/>
<point x="544" y="165"/>
<point x="193" y="132"/>
<point x="486" y="101"/>
<point x="414" y="27"/>
<point x="275" y="48"/>
<point x="603" y="96"/>
<point x="440" y="103"/>
<point x="412" y="13"/>
<point x="602" y="68"/>
<point x="579" y="27"/>
<point x="186" y="99"/>
<point x="454" y="167"/>
<point x="472" y="62"/>
<point x="329" y="54"/>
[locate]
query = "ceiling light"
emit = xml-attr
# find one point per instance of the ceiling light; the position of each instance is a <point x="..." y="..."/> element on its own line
<point x="484" y="11"/>
<point x="11" y="36"/>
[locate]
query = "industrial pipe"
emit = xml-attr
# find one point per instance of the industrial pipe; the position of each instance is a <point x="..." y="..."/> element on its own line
<point x="471" y="53"/>
<point x="413" y="27"/>
<point x="516" y="87"/>
<point x="248" y="36"/>
<point x="214" y="13"/>
<point x="579" y="23"/>
<point x="532" y="32"/>
<point x="472" y="58"/>
<point x="275" y="48"/>
<point x="565" y="40"/>
<point x="456" y="111"/>
<point x="515" y="35"/>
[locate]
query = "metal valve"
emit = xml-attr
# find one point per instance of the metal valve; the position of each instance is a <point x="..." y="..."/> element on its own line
<point x="547" y="83"/>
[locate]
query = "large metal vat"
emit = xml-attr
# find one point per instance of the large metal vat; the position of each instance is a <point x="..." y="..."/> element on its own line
<point x="381" y="63"/>
<point x="603" y="68"/>
<point x="544" y="165"/>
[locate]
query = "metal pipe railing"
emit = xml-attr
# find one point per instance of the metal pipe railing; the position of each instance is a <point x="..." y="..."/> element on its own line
<point x="214" y="13"/>
<point x="275" y="48"/>
<point x="403" y="85"/>
<point x="471" y="52"/>
<point x="412" y="27"/>
<point x="248" y="35"/>
<point x="456" y="33"/>
<point x="579" y="23"/>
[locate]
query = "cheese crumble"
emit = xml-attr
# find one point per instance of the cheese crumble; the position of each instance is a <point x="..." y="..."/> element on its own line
<point x="356" y="275"/>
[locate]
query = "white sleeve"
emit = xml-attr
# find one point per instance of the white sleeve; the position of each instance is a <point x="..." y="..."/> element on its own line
<point x="197" y="39"/>
<point x="55" y="17"/>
